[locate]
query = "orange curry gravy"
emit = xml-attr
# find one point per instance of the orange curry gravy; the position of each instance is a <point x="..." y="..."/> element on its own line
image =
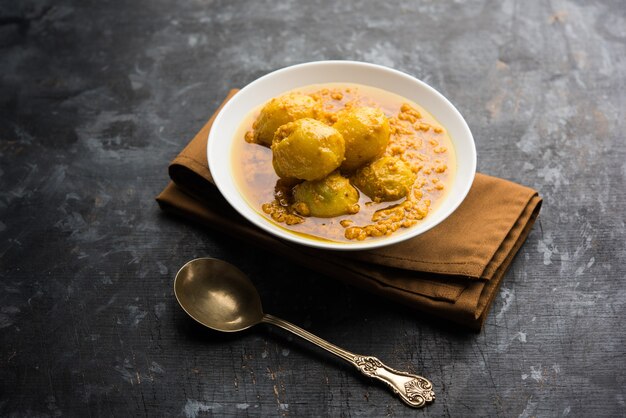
<point x="416" y="137"/>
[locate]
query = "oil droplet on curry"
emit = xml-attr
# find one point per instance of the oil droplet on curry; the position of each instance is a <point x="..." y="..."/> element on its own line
<point x="343" y="162"/>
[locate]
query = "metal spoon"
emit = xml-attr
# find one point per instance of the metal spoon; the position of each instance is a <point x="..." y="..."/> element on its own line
<point x="220" y="296"/>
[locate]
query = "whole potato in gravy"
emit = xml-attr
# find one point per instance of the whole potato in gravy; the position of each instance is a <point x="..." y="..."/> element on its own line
<point x="385" y="179"/>
<point x="366" y="132"/>
<point x="326" y="198"/>
<point x="279" y="111"/>
<point x="307" y="150"/>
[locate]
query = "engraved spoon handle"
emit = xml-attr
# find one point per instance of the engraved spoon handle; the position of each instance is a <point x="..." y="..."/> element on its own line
<point x="415" y="390"/>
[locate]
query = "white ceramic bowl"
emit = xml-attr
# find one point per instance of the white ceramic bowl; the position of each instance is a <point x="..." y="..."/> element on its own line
<point x="227" y="122"/>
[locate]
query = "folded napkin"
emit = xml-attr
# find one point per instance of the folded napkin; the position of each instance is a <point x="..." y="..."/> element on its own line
<point x="452" y="271"/>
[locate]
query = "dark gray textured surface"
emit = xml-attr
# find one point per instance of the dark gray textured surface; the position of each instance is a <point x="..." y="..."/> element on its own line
<point x="97" y="96"/>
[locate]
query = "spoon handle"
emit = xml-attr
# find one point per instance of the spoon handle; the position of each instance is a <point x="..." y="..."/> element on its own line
<point x="338" y="351"/>
<point x="414" y="390"/>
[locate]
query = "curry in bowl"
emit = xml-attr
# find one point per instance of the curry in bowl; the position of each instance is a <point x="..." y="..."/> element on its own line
<point x="343" y="162"/>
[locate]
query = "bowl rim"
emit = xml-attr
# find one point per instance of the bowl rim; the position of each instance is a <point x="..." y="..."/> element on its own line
<point x="284" y="233"/>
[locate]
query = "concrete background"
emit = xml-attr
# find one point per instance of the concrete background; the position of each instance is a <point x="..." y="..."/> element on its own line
<point x="97" y="96"/>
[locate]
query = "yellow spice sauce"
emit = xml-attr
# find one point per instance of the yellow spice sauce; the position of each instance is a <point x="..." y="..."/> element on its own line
<point x="416" y="137"/>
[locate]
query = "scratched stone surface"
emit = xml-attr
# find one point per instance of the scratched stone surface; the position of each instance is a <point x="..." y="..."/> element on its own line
<point x="97" y="96"/>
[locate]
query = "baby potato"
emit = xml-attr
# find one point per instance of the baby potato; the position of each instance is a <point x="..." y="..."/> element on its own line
<point x="366" y="132"/>
<point x="307" y="149"/>
<point x="384" y="180"/>
<point x="326" y="198"/>
<point x="279" y="111"/>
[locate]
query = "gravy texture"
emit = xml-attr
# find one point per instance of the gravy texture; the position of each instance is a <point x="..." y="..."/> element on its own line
<point x="415" y="137"/>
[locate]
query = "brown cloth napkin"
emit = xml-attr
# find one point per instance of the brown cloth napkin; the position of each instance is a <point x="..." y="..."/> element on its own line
<point x="452" y="271"/>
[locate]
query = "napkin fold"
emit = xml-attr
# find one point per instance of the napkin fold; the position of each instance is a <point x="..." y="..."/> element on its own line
<point x="452" y="271"/>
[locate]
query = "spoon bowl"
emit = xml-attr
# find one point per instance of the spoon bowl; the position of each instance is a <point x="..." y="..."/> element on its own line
<point x="220" y="296"/>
